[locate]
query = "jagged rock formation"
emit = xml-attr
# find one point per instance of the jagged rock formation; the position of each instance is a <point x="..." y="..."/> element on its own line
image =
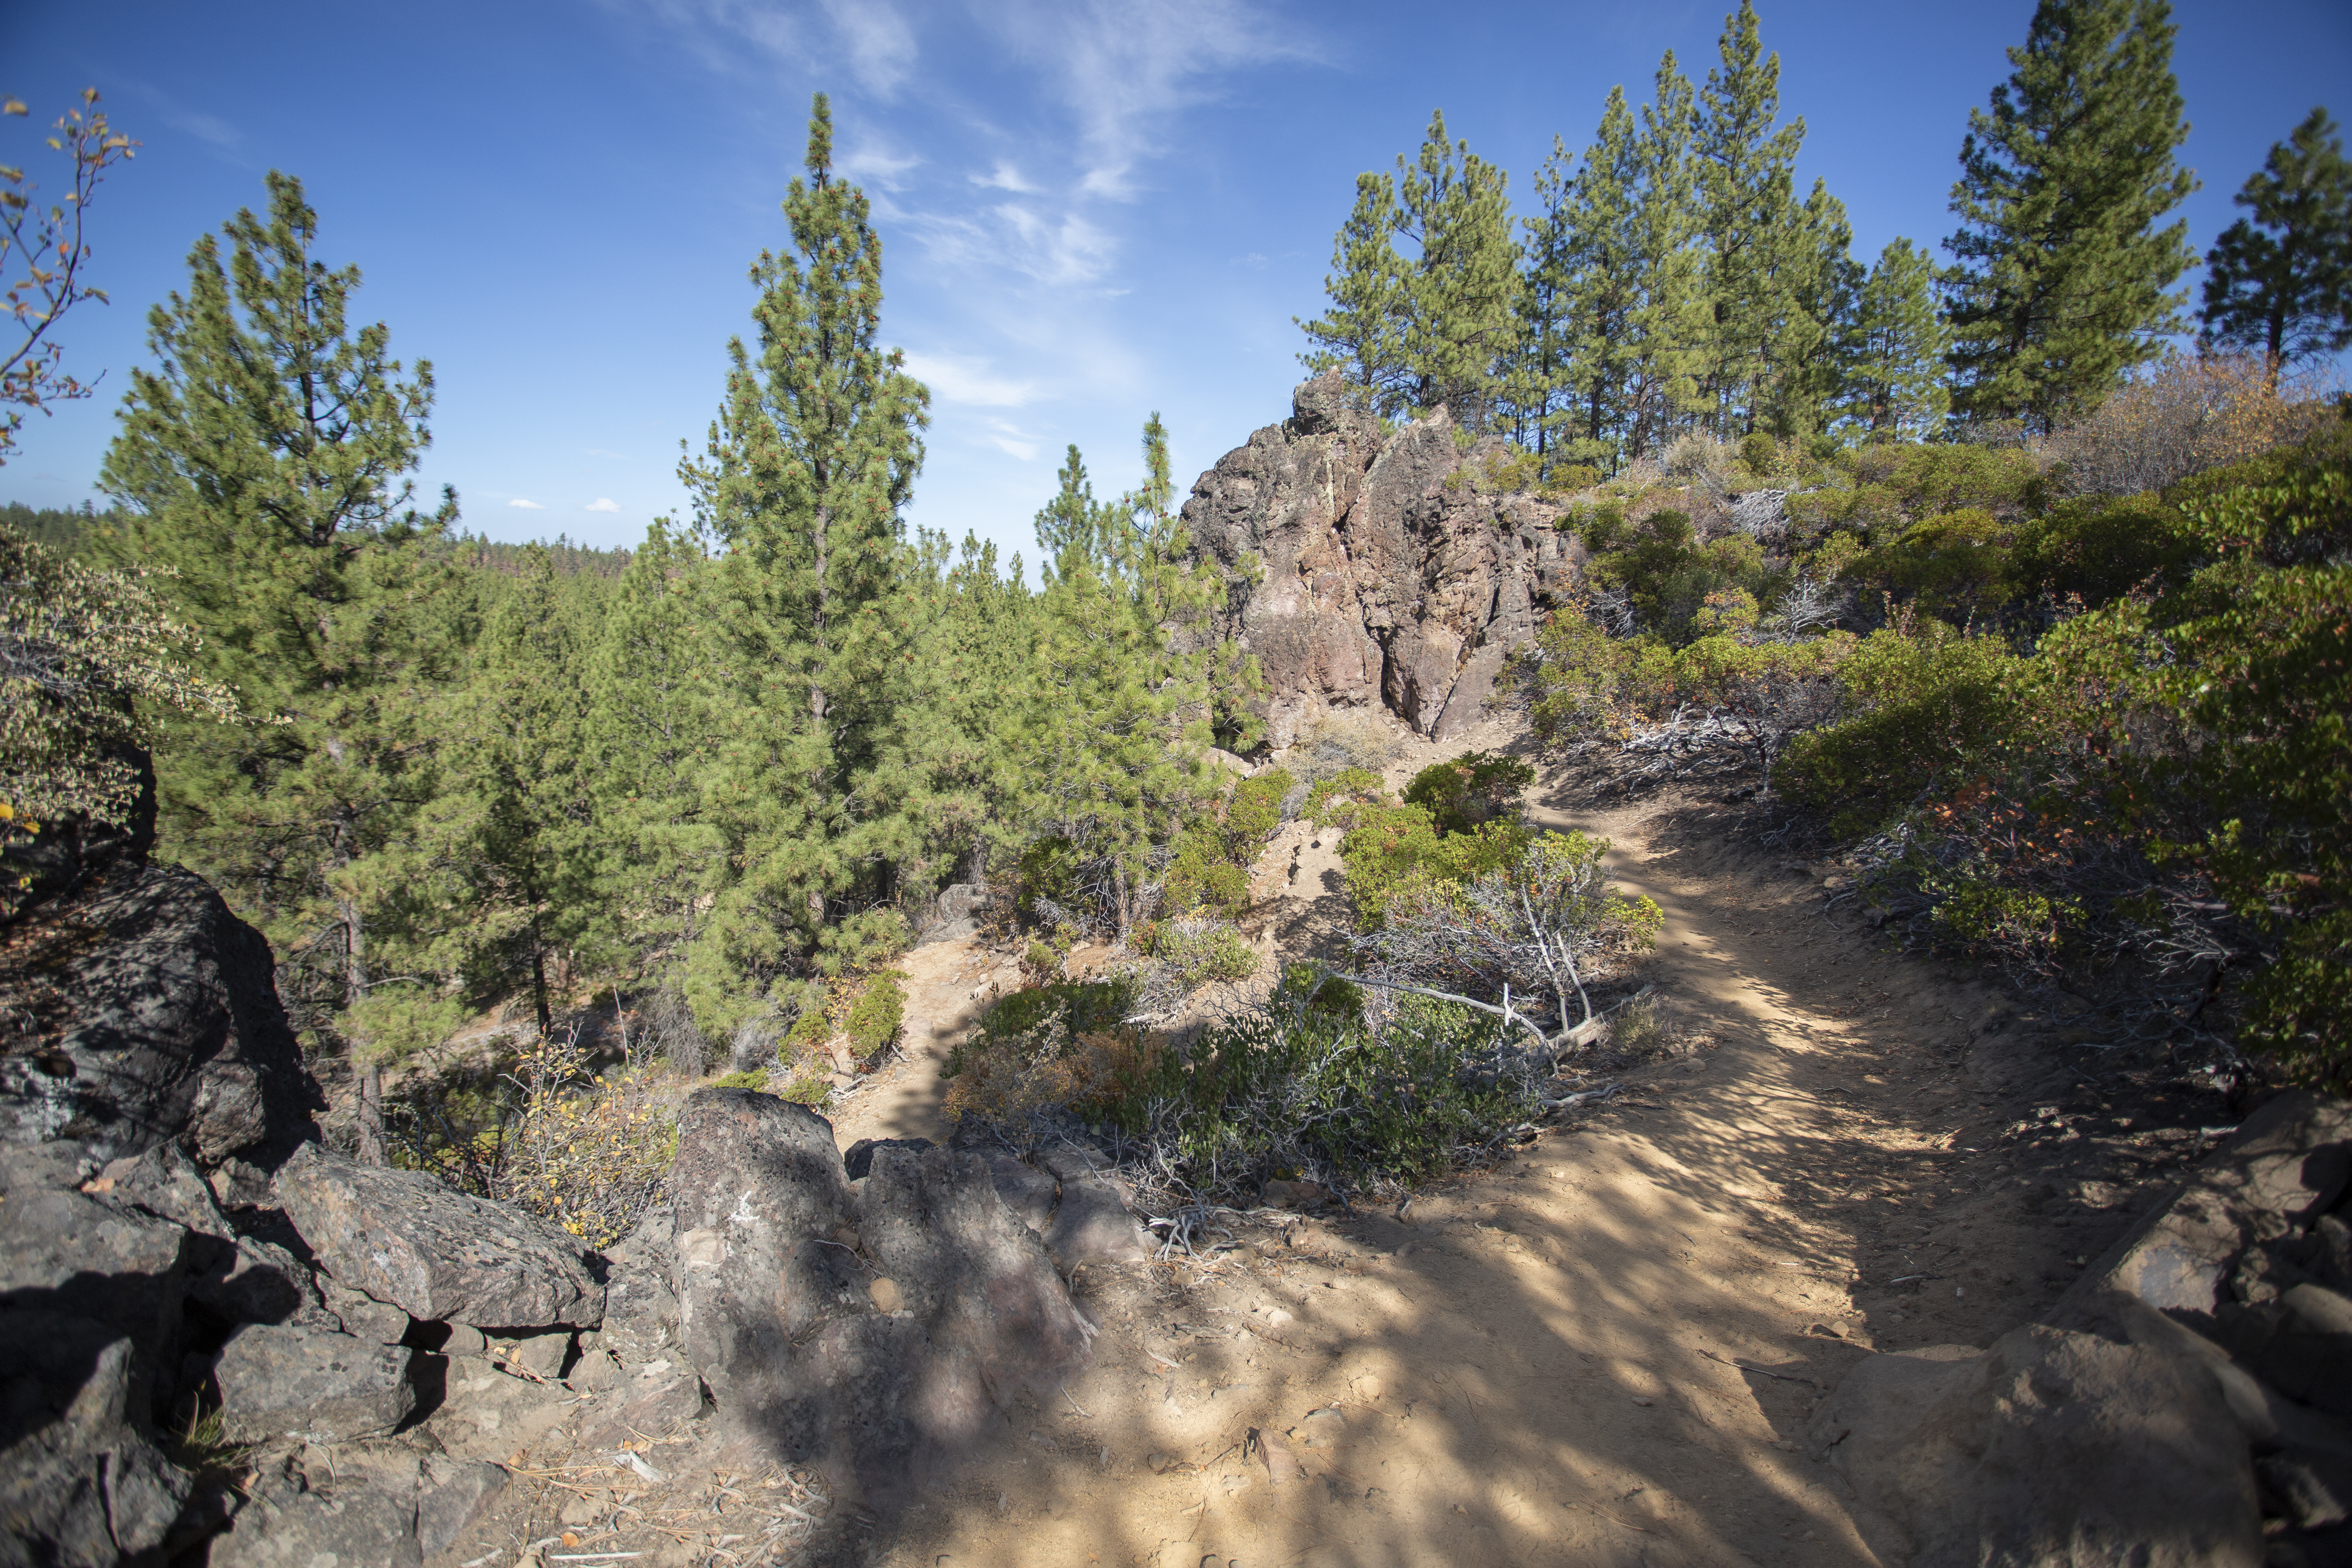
<point x="1387" y="570"/>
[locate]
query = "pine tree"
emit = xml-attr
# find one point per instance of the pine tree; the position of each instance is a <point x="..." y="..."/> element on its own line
<point x="1895" y="386"/>
<point x="264" y="461"/>
<point x="1112" y="737"/>
<point x="1461" y="287"/>
<point x="817" y="786"/>
<point x="1537" y="386"/>
<point x="1752" y="227"/>
<point x="653" y="683"/>
<point x="2281" y="282"/>
<point x="1363" y="334"/>
<point x="1673" y="325"/>
<point x="512" y="838"/>
<point x="1602" y="207"/>
<point x="1818" y="284"/>
<point x="1436" y="327"/>
<point x="2064" y="275"/>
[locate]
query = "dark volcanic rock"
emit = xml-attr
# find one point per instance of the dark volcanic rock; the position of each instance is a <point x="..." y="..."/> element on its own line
<point x="411" y="1242"/>
<point x="1391" y="575"/>
<point x="81" y="1483"/>
<point x="287" y="1382"/>
<point x="781" y="1272"/>
<point x="2129" y="1427"/>
<point x="69" y="1257"/>
<point x="175" y="1033"/>
<point x="761" y="1204"/>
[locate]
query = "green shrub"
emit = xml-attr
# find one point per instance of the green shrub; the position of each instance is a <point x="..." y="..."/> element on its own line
<point x="1214" y="853"/>
<point x="1573" y="677"/>
<point x="1954" y="564"/>
<point x="2097" y="550"/>
<point x="1919" y="706"/>
<point x="875" y="1018"/>
<point x="756" y="1081"/>
<point x="1465" y="791"/>
<point x="1387" y="846"/>
<point x="1080" y="1008"/>
<point x="1312" y="1088"/>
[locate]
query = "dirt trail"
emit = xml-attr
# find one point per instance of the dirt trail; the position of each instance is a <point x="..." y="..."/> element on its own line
<point x="1603" y="1352"/>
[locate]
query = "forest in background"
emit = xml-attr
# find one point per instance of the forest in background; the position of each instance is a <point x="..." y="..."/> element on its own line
<point x="2072" y="687"/>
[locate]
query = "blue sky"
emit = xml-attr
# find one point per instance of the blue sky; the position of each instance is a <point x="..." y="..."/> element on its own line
<point x="1090" y="211"/>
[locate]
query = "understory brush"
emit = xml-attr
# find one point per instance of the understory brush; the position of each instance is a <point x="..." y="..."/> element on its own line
<point x="1305" y="1085"/>
<point x="2152" y="800"/>
<point x="584" y="1150"/>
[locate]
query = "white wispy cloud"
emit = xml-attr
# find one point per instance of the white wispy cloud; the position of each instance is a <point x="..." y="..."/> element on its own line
<point x="603" y="504"/>
<point x="959" y="378"/>
<point x="1125" y="69"/>
<point x="1003" y="177"/>
<point x="526" y="505"/>
<point x="870" y="38"/>
<point x="871" y="165"/>
<point x="1011" y="439"/>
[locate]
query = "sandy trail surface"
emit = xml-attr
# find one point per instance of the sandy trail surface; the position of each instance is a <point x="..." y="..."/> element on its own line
<point x="1604" y="1350"/>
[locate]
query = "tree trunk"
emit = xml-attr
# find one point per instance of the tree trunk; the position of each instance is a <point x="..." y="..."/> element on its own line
<point x="371" y="1150"/>
<point x="539" y="981"/>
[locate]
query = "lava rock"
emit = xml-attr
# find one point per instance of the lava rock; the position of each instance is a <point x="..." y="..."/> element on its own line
<point x="278" y="1380"/>
<point x="177" y="1031"/>
<point x="411" y="1242"/>
<point x="80" y="1481"/>
<point x="2055" y="1448"/>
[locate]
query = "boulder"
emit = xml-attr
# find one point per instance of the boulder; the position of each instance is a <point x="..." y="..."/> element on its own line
<point x="777" y="1257"/>
<point x="761" y="1202"/>
<point x="859" y="1160"/>
<point x="649" y="1401"/>
<point x="2275" y="1179"/>
<point x="277" y="1380"/>
<point x="487" y="1415"/>
<point x="75" y="1256"/>
<point x="1390" y="569"/>
<point x="174" y="1032"/>
<point x="1092" y="1225"/>
<point x="80" y="1482"/>
<point x="361" y="1509"/>
<point x="2055" y="1448"/>
<point x="411" y="1242"/>
<point x="1027" y="1193"/>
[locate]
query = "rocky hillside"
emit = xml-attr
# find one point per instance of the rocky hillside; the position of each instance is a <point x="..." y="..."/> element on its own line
<point x="1388" y="571"/>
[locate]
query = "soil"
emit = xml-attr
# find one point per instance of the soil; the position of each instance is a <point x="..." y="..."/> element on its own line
<point x="1604" y="1350"/>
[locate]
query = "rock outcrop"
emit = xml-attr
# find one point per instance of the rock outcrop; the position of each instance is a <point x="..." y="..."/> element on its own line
<point x="2186" y="1402"/>
<point x="1388" y="570"/>
<point x="170" y="1029"/>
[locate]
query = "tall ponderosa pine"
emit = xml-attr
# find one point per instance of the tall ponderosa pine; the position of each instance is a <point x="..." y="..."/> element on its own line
<point x="1119" y="718"/>
<point x="264" y="461"/>
<point x="1437" y="326"/>
<point x="1672" y="326"/>
<point x="2279" y="281"/>
<point x="1751" y="226"/>
<point x="654" y="687"/>
<point x="1895" y="386"/>
<point x="514" y="832"/>
<point x="2064" y="278"/>
<point x="818" y="787"/>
